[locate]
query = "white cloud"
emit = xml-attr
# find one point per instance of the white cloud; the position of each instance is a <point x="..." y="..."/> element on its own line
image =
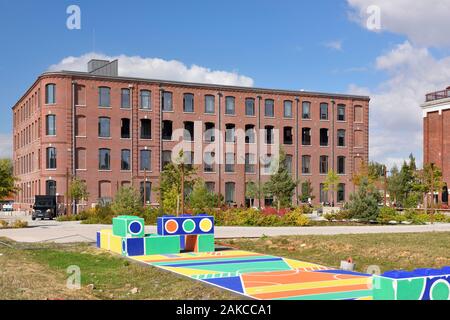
<point x="395" y="114"/>
<point x="334" y="45"/>
<point x="5" y="146"/>
<point x="155" y="68"/>
<point x="424" y="22"/>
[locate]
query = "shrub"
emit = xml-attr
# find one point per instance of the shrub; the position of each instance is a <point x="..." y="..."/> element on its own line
<point x="386" y="215"/>
<point x="363" y="204"/>
<point x="3" y="224"/>
<point x="18" y="224"/>
<point x="127" y="202"/>
<point x="416" y="217"/>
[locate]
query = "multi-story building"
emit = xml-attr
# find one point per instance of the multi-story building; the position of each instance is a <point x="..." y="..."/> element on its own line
<point x="436" y="126"/>
<point x="113" y="131"/>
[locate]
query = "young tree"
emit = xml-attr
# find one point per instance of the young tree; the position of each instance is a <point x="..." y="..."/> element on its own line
<point x="78" y="191"/>
<point x="253" y="191"/>
<point x="429" y="181"/>
<point x="173" y="175"/>
<point x="171" y="201"/>
<point x="331" y="183"/>
<point x="307" y="191"/>
<point x="6" y="178"/>
<point x="201" y="199"/>
<point x="364" y="202"/>
<point x="281" y="185"/>
<point x="127" y="201"/>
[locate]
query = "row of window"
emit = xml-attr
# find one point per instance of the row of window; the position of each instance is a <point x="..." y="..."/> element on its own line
<point x="145" y="103"/>
<point x="26" y="194"/>
<point x="104" y="131"/>
<point x="27" y="109"/>
<point x="104" y="161"/>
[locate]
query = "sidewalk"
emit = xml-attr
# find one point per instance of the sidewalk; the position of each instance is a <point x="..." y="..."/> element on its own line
<point x="66" y="232"/>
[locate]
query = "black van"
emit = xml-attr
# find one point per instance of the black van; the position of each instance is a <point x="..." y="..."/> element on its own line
<point x="46" y="207"/>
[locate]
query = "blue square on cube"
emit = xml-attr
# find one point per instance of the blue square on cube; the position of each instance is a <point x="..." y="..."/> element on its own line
<point x="98" y="240"/>
<point x="135" y="247"/>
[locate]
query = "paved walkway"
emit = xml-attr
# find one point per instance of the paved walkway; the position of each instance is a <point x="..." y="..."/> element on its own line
<point x="65" y="232"/>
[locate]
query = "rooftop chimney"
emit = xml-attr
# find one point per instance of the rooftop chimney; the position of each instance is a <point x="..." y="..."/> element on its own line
<point x="103" y="67"/>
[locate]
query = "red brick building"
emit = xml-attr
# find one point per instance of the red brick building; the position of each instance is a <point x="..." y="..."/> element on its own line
<point x="112" y="131"/>
<point x="436" y="127"/>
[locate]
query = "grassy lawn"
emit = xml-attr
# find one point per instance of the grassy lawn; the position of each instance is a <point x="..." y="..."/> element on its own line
<point x="39" y="271"/>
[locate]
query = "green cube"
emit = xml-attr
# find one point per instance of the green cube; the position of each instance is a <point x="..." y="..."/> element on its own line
<point x="156" y="244"/>
<point x="128" y="227"/>
<point x="205" y="243"/>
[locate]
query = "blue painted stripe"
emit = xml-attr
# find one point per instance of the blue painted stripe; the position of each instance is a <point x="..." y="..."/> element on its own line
<point x="221" y="262"/>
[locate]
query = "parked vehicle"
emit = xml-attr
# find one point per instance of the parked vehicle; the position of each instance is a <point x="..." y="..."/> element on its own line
<point x="7" y="207"/>
<point x="47" y="207"/>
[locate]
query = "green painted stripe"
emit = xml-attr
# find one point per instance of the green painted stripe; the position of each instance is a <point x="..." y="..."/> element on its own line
<point x="245" y="267"/>
<point x="225" y="259"/>
<point x="332" y="295"/>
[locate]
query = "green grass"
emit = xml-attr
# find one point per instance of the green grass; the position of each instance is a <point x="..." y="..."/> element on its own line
<point x="113" y="277"/>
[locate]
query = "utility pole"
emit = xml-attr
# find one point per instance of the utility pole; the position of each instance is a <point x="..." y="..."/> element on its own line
<point x="432" y="193"/>
<point x="385" y="185"/>
<point x="67" y="191"/>
<point x="182" y="188"/>
<point x="145" y="187"/>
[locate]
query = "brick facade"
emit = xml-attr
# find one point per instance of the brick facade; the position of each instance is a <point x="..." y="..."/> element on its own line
<point x="80" y="92"/>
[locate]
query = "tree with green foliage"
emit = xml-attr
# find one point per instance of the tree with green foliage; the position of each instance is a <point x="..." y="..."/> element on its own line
<point x="171" y="201"/>
<point x="363" y="204"/>
<point x="253" y="191"/>
<point x="7" y="178"/>
<point x="330" y="184"/>
<point x="78" y="191"/>
<point x="174" y="173"/>
<point x="429" y="180"/>
<point x="402" y="184"/>
<point x="127" y="201"/>
<point x="281" y="185"/>
<point x="201" y="198"/>
<point x="307" y="191"/>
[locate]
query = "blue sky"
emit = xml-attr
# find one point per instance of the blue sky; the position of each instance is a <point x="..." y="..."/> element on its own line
<point x="279" y="44"/>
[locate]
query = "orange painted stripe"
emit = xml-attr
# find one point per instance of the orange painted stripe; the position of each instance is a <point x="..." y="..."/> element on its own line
<point x="304" y="292"/>
<point x="287" y="277"/>
<point x="202" y="258"/>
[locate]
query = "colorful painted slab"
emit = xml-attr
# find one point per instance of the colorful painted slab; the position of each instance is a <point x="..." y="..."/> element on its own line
<point x="148" y="245"/>
<point x="185" y="225"/>
<point x="262" y="276"/>
<point x="420" y="284"/>
<point x="128" y="227"/>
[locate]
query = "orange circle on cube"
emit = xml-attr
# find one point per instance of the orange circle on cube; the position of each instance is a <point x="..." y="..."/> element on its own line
<point x="205" y="225"/>
<point x="171" y="226"/>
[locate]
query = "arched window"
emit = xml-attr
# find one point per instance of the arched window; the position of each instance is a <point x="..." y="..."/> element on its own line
<point x="104" y="159"/>
<point x="50" y="93"/>
<point x="145" y="100"/>
<point x="51" y="158"/>
<point x="269" y="108"/>
<point x="188" y="102"/>
<point x="104" y="97"/>
<point x="50" y="187"/>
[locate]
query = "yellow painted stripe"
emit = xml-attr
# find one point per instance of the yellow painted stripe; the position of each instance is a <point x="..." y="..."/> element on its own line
<point x="301" y="264"/>
<point x="181" y="256"/>
<point x="190" y="272"/>
<point x="305" y="285"/>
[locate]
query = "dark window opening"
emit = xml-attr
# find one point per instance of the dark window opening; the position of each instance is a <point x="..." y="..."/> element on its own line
<point x="323" y="137"/>
<point x="288" y="137"/>
<point x="306" y="136"/>
<point x="167" y="130"/>
<point x="125" y="128"/>
<point x="146" y="129"/>
<point x="189" y="131"/>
